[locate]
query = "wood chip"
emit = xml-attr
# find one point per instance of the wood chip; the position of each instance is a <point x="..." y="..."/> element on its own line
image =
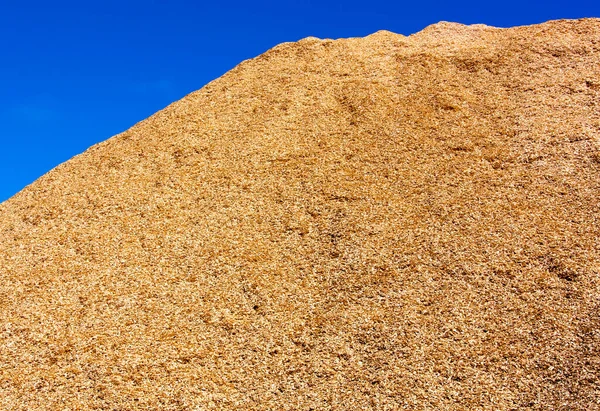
<point x="383" y="223"/>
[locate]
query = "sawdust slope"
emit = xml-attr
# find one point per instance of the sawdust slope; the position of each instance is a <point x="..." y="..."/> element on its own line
<point x="380" y="223"/>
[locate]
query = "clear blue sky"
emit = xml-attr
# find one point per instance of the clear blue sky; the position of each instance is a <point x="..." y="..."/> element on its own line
<point x="74" y="73"/>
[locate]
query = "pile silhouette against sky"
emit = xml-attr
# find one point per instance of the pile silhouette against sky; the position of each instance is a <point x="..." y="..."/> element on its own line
<point x="75" y="73"/>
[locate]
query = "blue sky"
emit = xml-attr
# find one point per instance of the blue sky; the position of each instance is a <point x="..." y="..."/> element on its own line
<point x="74" y="73"/>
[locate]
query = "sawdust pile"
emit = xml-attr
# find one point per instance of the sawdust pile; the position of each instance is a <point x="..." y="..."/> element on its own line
<point x="380" y="223"/>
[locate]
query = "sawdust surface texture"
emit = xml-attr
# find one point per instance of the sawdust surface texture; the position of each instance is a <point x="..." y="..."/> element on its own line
<point x="385" y="223"/>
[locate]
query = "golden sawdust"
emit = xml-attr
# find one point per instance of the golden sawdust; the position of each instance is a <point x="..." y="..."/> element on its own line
<point x="381" y="223"/>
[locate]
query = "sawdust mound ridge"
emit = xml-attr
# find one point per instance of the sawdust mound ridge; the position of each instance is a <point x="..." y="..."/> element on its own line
<point x="381" y="223"/>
